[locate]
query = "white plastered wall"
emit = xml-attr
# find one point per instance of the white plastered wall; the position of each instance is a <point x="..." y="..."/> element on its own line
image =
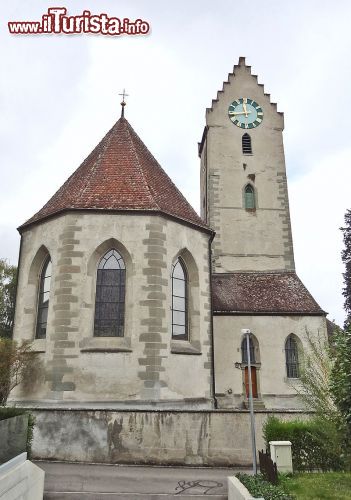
<point x="276" y="390"/>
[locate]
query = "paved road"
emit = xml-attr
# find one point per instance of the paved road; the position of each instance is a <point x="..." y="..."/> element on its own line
<point x="66" y="481"/>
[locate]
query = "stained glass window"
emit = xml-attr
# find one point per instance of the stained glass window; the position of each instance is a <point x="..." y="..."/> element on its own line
<point x="110" y="296"/>
<point x="292" y="358"/>
<point x="43" y="300"/>
<point x="179" y="301"/>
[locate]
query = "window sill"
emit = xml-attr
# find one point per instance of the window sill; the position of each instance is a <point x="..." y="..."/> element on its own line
<point x="184" y="347"/>
<point x="292" y="380"/>
<point x="39" y="345"/>
<point x="106" y="344"/>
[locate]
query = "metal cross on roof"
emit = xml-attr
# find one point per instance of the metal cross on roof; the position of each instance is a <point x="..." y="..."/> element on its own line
<point x="123" y="103"/>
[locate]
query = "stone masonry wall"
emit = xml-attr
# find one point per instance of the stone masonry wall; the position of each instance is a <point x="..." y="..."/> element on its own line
<point x="144" y="365"/>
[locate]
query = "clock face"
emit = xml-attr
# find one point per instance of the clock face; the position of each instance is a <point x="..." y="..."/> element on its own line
<point x="245" y="113"/>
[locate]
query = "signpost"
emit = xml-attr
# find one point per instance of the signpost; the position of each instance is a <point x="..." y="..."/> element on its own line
<point x="247" y="333"/>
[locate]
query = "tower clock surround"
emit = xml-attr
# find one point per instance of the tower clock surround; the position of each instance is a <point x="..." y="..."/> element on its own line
<point x="245" y="113"/>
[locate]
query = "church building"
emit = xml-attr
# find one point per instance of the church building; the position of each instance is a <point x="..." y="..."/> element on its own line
<point x="133" y="300"/>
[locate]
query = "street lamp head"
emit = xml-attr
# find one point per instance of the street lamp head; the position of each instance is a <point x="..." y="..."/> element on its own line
<point x="244" y="331"/>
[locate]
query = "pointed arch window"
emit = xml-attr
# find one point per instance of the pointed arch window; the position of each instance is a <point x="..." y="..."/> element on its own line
<point x="244" y="359"/>
<point x="180" y="330"/>
<point x="292" y="357"/>
<point x="249" y="197"/>
<point x="246" y="144"/>
<point x="43" y="299"/>
<point x="110" y="296"/>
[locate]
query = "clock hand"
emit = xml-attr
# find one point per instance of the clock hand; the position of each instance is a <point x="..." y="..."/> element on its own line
<point x="245" y="109"/>
<point x="239" y="113"/>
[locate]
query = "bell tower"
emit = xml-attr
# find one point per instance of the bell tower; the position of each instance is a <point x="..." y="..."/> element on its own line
<point x="244" y="193"/>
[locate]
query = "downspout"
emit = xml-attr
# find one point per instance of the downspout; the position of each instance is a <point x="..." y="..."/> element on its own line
<point x="213" y="377"/>
<point x="211" y="327"/>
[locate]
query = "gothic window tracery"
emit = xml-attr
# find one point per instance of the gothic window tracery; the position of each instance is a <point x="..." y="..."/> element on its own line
<point x="180" y="330"/>
<point x="110" y="296"/>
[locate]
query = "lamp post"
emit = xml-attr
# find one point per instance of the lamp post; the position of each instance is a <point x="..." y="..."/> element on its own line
<point x="247" y="333"/>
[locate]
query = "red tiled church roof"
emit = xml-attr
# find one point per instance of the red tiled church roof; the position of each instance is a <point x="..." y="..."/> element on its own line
<point x="120" y="174"/>
<point x="262" y="293"/>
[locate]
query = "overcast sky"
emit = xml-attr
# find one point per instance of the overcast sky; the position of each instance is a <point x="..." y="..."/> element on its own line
<point x="59" y="96"/>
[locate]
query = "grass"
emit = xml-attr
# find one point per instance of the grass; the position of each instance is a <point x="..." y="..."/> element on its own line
<point x="324" y="486"/>
<point x="304" y="486"/>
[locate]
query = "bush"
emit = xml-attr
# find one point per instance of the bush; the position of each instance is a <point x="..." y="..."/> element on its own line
<point x="258" y="487"/>
<point x="17" y="362"/>
<point x="15" y="412"/>
<point x="316" y="444"/>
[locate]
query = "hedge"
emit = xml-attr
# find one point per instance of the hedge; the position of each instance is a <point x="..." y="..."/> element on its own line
<point x="8" y="412"/>
<point x="316" y="445"/>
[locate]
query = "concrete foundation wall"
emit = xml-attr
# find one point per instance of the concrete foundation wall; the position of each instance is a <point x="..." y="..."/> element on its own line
<point x="13" y="437"/>
<point x="218" y="438"/>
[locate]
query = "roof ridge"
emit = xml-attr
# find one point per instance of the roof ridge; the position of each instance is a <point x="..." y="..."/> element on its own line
<point x="129" y="128"/>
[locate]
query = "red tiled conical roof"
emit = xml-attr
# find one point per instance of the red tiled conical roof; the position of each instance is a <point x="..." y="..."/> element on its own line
<point x="120" y="174"/>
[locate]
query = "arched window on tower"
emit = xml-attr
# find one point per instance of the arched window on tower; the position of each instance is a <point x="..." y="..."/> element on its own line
<point x="43" y="299"/>
<point x="292" y="357"/>
<point x="246" y="144"/>
<point x="110" y="296"/>
<point x="249" y="197"/>
<point x="180" y="330"/>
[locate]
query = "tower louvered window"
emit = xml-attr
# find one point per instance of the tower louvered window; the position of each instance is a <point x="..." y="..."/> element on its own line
<point x="250" y="197"/>
<point x="43" y="300"/>
<point x="110" y="296"/>
<point x="292" y="358"/>
<point x="179" y="301"/>
<point x="246" y="144"/>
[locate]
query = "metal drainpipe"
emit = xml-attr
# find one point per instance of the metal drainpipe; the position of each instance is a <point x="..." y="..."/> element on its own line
<point x="212" y="339"/>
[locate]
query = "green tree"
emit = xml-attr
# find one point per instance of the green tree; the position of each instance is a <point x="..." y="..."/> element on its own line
<point x="340" y="379"/>
<point x="346" y="258"/>
<point x="315" y="388"/>
<point x="8" y="281"/>
<point x="314" y="384"/>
